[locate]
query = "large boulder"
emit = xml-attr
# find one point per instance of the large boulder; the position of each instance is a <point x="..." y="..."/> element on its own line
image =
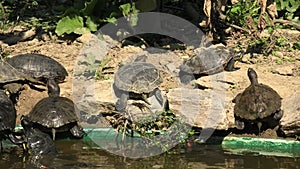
<point x="290" y="122"/>
<point x="202" y="108"/>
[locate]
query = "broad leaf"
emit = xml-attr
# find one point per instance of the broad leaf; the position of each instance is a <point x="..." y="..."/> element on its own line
<point x="69" y="24"/>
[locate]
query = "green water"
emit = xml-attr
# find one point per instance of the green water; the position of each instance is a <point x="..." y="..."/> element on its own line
<point x="79" y="154"/>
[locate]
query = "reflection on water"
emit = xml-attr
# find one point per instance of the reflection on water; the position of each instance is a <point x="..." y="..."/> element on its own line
<point x="79" y="154"/>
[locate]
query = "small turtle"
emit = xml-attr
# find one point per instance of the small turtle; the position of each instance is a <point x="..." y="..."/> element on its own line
<point x="38" y="66"/>
<point x="137" y="80"/>
<point x="209" y="61"/>
<point x="258" y="103"/>
<point x="55" y="113"/>
<point x="12" y="79"/>
<point x="36" y="142"/>
<point x="8" y="120"/>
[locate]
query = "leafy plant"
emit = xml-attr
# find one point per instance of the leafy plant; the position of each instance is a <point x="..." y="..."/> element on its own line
<point x="288" y="7"/>
<point x="238" y="14"/>
<point x="87" y="16"/>
<point x="102" y="66"/>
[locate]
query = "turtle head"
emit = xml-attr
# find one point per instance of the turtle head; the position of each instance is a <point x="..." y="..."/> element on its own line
<point x="252" y="76"/>
<point x="53" y="88"/>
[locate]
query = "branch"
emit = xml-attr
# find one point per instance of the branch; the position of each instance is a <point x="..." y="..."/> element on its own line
<point x="289" y="23"/>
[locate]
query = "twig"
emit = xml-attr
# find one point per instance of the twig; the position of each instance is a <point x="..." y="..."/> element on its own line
<point x="236" y="27"/>
<point x="289" y="23"/>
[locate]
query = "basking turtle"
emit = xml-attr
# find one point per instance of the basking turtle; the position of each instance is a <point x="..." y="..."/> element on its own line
<point x="36" y="142"/>
<point x="258" y="103"/>
<point x="55" y="113"/>
<point x="8" y="120"/>
<point x="209" y="61"/>
<point x="12" y="79"/>
<point x="137" y="80"/>
<point x="39" y="66"/>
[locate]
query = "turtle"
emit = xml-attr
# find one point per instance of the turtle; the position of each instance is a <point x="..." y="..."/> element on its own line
<point x="12" y="79"/>
<point x="36" y="142"/>
<point x="258" y="103"/>
<point x="8" y="120"/>
<point x="39" y="67"/>
<point x="208" y="61"/>
<point x="137" y="80"/>
<point x="56" y="113"/>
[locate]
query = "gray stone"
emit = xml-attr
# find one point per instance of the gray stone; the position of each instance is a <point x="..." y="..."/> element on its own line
<point x="285" y="70"/>
<point x="290" y="122"/>
<point x="202" y="108"/>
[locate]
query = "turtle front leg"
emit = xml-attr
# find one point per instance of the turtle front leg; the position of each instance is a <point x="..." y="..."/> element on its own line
<point x="240" y="125"/>
<point x="122" y="102"/>
<point x="53" y="133"/>
<point x="158" y="96"/>
<point x="186" y="78"/>
<point x="77" y="131"/>
<point x="259" y="124"/>
<point x="278" y="114"/>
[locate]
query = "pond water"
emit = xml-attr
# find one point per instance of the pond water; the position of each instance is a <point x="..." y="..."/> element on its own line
<point x="80" y="154"/>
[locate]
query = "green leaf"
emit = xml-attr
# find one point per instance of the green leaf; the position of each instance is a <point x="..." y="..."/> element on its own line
<point x="109" y="20"/>
<point x="69" y="25"/>
<point x="125" y="8"/>
<point x="81" y="31"/>
<point x="91" y="25"/>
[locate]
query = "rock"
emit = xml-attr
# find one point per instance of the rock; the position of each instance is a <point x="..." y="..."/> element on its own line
<point x="285" y="70"/>
<point x="202" y="108"/>
<point x="290" y="122"/>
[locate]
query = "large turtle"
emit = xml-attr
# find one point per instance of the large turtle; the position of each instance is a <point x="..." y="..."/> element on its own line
<point x="38" y="66"/>
<point x="211" y="60"/>
<point x="8" y="120"/>
<point x="55" y="113"/>
<point x="258" y="103"/>
<point x="12" y="79"/>
<point x="138" y="80"/>
<point x="36" y="142"/>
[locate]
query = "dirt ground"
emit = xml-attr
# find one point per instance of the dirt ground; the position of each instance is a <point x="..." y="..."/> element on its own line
<point x="284" y="77"/>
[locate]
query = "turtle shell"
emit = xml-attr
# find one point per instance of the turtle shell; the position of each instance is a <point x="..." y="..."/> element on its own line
<point x="208" y="61"/>
<point x="7" y="114"/>
<point x="54" y="112"/>
<point x="138" y="77"/>
<point x="257" y="102"/>
<point x="38" y="66"/>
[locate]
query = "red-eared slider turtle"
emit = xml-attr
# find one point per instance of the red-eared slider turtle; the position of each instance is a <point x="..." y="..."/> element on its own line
<point x="36" y="142"/>
<point x="38" y="66"/>
<point x="7" y="120"/>
<point x="137" y="80"/>
<point x="55" y="113"/>
<point x="12" y="79"/>
<point x="208" y="61"/>
<point x="258" y="103"/>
